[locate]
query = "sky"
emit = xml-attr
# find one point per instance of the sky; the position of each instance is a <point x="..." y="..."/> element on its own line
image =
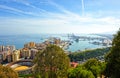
<point x="59" y="16"/>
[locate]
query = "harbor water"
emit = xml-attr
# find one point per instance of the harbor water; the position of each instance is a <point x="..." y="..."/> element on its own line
<point x="20" y="40"/>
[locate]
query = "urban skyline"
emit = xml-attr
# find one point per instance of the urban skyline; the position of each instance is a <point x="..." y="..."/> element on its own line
<point x="59" y="16"/>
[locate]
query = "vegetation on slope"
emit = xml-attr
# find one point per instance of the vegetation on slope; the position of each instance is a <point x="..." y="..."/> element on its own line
<point x="85" y="55"/>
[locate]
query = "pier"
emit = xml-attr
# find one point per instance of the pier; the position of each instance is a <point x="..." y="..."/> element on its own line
<point x="74" y="37"/>
<point x="94" y="40"/>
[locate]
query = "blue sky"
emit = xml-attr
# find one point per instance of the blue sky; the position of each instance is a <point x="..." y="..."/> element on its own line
<point x="59" y="16"/>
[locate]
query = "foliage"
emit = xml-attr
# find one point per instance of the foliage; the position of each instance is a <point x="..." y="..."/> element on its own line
<point x="27" y="75"/>
<point x="79" y="72"/>
<point x="7" y="72"/>
<point x="113" y="58"/>
<point x="85" y="55"/>
<point x="94" y="66"/>
<point x="51" y="63"/>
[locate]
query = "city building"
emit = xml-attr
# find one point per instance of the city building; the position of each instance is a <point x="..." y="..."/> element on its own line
<point x="4" y="54"/>
<point x="9" y="48"/>
<point x="9" y="58"/>
<point x="41" y="46"/>
<point x="25" y="53"/>
<point x="30" y="45"/>
<point x="1" y="57"/>
<point x="1" y="48"/>
<point x="57" y="41"/>
<point x="33" y="53"/>
<point x="15" y="55"/>
<point x="74" y="64"/>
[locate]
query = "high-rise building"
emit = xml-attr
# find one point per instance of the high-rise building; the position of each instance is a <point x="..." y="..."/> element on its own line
<point x="4" y="55"/>
<point x="6" y="48"/>
<point x="11" y="47"/>
<point x="15" y="55"/>
<point x="30" y="45"/>
<point x="1" y="48"/>
<point x="9" y="58"/>
<point x="25" y="53"/>
<point x="33" y="53"/>
<point x="1" y="57"/>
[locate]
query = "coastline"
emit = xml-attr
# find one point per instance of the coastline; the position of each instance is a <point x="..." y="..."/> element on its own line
<point x="20" y="40"/>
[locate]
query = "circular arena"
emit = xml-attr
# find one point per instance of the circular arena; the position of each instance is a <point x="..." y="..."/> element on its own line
<point x="22" y="66"/>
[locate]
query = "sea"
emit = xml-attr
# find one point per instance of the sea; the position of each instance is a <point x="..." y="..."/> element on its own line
<point x="20" y="40"/>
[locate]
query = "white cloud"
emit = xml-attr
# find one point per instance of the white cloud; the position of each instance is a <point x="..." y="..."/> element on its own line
<point x="28" y="4"/>
<point x="17" y="10"/>
<point x="66" y="22"/>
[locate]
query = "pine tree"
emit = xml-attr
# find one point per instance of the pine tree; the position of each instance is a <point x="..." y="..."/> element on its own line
<point x="113" y="58"/>
<point x="51" y="63"/>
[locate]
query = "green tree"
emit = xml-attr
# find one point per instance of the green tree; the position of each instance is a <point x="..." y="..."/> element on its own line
<point x="103" y="68"/>
<point x="94" y="66"/>
<point x="113" y="58"/>
<point x="7" y="72"/>
<point x="51" y="63"/>
<point x="79" y="72"/>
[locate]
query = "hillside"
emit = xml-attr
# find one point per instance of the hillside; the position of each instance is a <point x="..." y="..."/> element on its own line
<point x="85" y="55"/>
